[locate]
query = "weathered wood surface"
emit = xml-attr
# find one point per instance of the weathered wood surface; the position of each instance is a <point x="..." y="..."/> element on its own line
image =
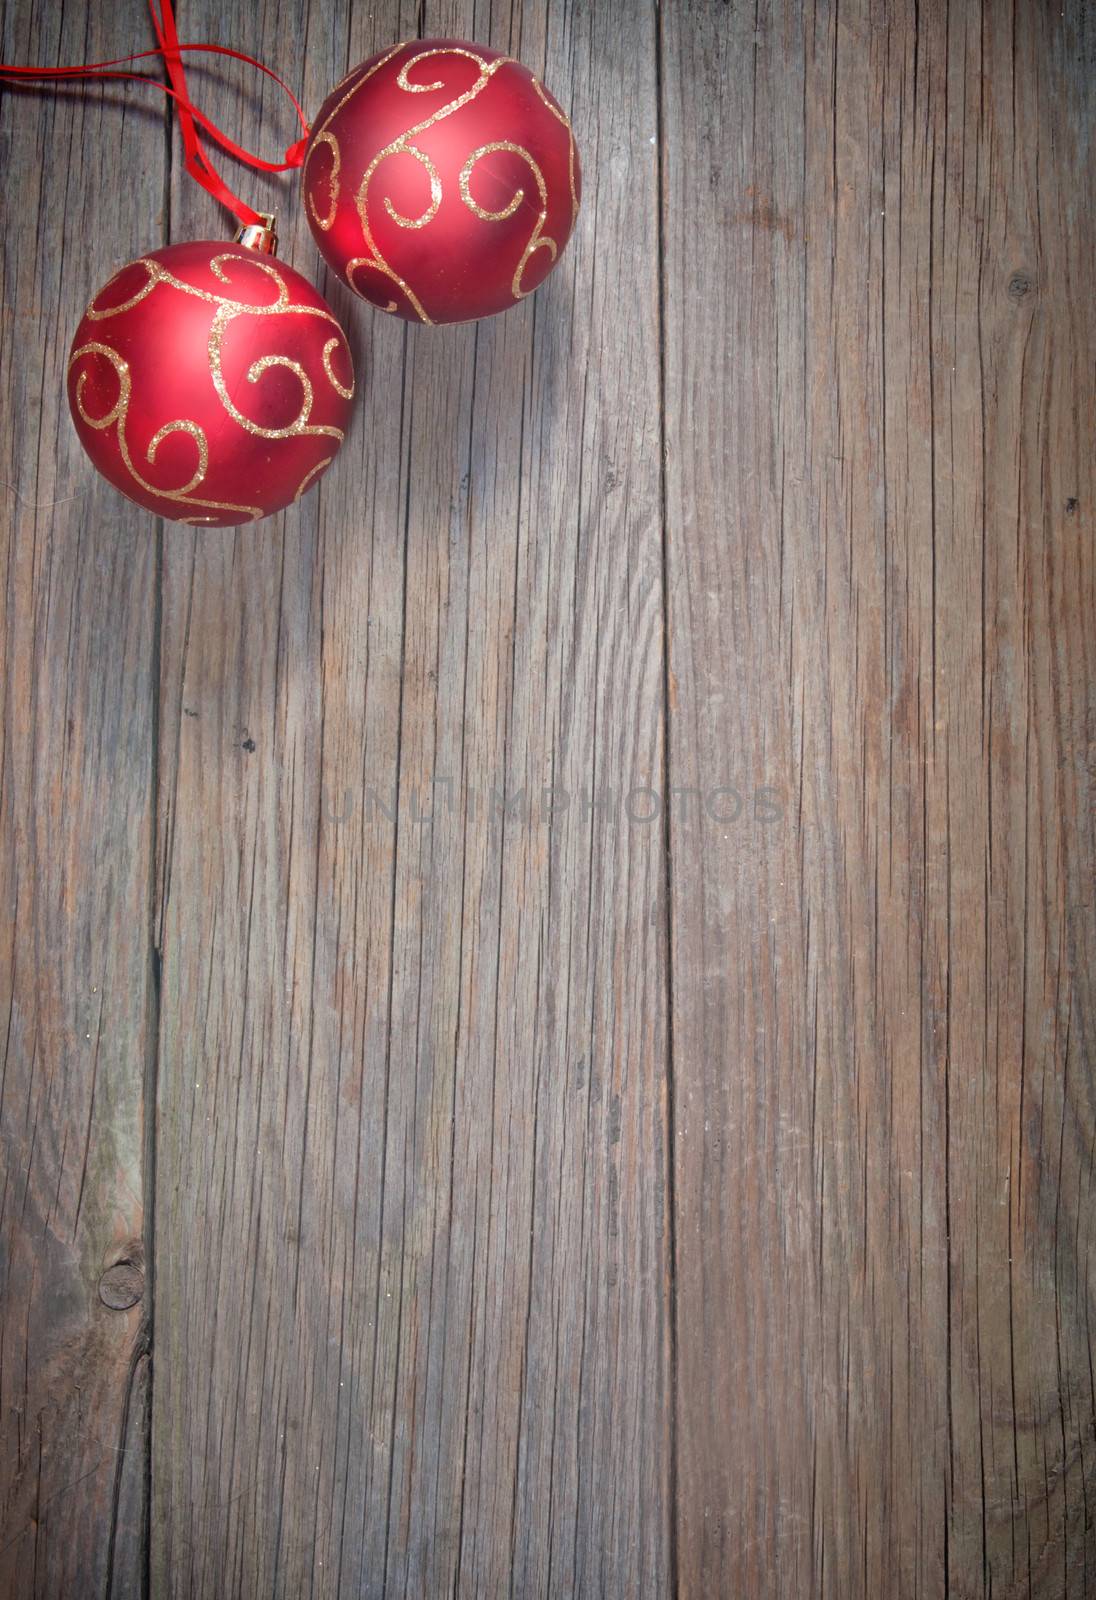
<point x="574" y="1193"/>
<point x="412" y="1299"/>
<point x="879" y="420"/>
<point x="78" y="640"/>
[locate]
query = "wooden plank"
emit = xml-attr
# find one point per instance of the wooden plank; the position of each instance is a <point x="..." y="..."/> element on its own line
<point x="412" y="1287"/>
<point x="78" y="646"/>
<point x="882" y="581"/>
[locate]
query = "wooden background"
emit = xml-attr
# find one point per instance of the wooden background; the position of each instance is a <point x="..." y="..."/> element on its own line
<point x="548" y="996"/>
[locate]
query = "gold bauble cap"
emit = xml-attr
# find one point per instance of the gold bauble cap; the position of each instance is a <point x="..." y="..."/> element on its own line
<point x="260" y="235"/>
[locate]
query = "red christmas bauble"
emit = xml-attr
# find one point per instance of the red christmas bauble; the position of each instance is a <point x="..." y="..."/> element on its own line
<point x="210" y="383"/>
<point x="441" y="181"/>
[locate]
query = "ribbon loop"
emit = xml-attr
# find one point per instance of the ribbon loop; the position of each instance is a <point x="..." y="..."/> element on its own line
<point x="197" y="161"/>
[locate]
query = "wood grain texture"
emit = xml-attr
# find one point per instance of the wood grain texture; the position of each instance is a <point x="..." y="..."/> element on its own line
<point x="569" y="955"/>
<point x="881" y="583"/>
<point x="412" y="1295"/>
<point x="78" y="647"/>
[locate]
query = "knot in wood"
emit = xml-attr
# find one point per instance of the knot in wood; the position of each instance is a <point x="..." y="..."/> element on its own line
<point x="122" y="1286"/>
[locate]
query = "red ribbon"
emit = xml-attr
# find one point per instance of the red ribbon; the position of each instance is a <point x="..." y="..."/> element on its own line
<point x="198" y="164"/>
